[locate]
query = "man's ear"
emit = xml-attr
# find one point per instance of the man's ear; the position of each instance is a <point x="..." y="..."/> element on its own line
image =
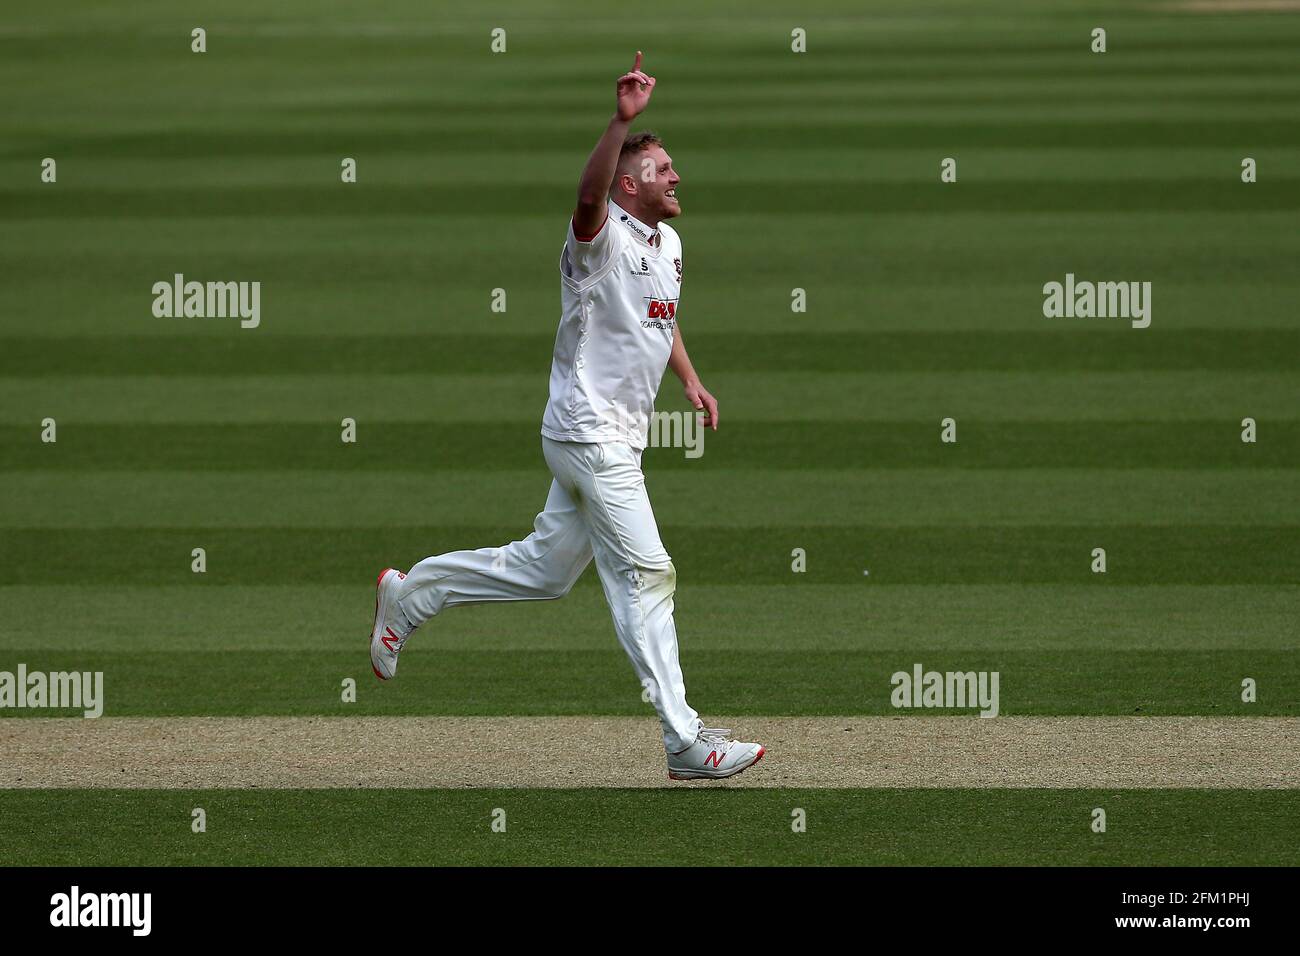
<point x="626" y="184"/>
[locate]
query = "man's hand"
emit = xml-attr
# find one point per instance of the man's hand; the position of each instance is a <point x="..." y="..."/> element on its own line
<point x="633" y="92"/>
<point x="699" y="396"/>
<point x="696" y="393"/>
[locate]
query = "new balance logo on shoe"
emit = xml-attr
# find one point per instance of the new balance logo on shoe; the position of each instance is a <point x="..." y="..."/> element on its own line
<point x="715" y="758"/>
<point x="390" y="640"/>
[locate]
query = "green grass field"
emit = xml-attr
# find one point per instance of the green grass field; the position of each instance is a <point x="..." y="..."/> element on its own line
<point x="595" y="827"/>
<point x="817" y="171"/>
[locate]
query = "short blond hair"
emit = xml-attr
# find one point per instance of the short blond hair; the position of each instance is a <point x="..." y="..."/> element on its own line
<point x="638" y="143"/>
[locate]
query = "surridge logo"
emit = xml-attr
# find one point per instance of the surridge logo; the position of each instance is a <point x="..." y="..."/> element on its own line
<point x="74" y="908"/>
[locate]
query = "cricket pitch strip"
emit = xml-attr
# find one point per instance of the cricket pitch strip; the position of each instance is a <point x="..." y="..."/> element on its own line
<point x="458" y="752"/>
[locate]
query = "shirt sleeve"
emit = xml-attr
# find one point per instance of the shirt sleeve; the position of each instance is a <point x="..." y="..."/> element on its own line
<point x="589" y="257"/>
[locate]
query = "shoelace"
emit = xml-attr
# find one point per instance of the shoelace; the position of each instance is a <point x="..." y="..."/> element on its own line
<point x="716" y="735"/>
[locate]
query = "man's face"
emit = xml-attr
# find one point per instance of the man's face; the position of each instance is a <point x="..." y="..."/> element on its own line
<point x="656" y="183"/>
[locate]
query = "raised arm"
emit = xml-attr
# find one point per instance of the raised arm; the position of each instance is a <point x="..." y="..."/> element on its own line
<point x="631" y="95"/>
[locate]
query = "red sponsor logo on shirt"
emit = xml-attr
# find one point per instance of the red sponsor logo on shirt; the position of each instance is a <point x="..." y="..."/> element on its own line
<point x="661" y="310"/>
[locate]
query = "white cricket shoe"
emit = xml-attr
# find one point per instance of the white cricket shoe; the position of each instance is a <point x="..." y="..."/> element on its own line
<point x="713" y="755"/>
<point x="391" y="630"/>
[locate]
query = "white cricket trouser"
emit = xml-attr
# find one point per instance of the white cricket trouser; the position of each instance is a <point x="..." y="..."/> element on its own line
<point x="597" y="506"/>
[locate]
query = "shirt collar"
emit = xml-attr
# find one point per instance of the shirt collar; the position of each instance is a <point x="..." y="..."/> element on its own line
<point x="647" y="234"/>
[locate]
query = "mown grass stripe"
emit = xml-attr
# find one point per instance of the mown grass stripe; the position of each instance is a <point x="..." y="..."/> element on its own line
<point x="827" y="97"/>
<point x="846" y="398"/>
<point x="1102" y="346"/>
<point x="710" y="617"/>
<point x="635" y="827"/>
<point x="783" y="503"/>
<point x="692" y="128"/>
<point x="435" y="679"/>
<point x="805" y="446"/>
<point x="784" y="197"/>
<point x="1057" y="554"/>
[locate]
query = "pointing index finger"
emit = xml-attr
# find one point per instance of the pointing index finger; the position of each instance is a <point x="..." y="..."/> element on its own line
<point x="636" y="67"/>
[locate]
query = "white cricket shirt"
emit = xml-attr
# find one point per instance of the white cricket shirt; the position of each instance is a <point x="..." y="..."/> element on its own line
<point x="619" y="295"/>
